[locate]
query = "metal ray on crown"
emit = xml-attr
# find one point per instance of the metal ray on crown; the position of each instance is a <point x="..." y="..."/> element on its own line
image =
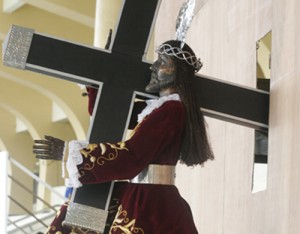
<point x="183" y="22"/>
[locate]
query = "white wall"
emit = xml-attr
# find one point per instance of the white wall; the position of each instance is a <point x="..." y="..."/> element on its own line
<point x="224" y="35"/>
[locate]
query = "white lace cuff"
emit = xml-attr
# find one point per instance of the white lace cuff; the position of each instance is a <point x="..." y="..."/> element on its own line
<point x="74" y="159"/>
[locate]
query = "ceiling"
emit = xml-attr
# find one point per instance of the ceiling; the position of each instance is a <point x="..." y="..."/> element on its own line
<point x="31" y="104"/>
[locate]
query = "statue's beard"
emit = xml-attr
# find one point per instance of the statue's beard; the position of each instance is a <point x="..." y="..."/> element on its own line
<point x="155" y="85"/>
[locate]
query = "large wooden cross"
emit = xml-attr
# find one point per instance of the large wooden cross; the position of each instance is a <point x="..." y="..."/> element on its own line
<point x="122" y="73"/>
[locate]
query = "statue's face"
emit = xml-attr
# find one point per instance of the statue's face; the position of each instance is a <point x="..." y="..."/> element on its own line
<point x="163" y="74"/>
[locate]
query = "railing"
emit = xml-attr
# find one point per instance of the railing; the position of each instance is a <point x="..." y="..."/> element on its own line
<point x="31" y="222"/>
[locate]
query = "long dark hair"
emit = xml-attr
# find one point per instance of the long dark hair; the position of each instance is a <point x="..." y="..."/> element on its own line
<point x="195" y="149"/>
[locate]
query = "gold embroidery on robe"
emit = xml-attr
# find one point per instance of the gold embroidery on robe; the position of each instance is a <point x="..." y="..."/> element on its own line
<point x="76" y="230"/>
<point x="134" y="131"/>
<point x="53" y="228"/>
<point x="87" y="153"/>
<point x="123" y="223"/>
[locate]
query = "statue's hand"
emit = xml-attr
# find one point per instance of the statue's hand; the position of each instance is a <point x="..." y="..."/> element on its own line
<point x="51" y="148"/>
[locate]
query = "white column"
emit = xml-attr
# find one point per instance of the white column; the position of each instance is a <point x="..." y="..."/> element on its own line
<point x="3" y="194"/>
<point x="106" y="17"/>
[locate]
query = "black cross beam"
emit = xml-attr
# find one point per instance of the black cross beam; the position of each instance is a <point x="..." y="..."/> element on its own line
<point x="122" y="73"/>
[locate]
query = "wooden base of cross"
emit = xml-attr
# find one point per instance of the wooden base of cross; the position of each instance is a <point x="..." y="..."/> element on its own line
<point x="121" y="74"/>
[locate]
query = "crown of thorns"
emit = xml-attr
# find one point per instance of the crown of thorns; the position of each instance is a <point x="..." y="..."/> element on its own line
<point x="180" y="54"/>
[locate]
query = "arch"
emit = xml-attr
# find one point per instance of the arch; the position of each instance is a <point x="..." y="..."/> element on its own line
<point x="62" y="103"/>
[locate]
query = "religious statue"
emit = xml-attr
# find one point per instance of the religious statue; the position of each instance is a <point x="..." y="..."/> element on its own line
<point x="170" y="129"/>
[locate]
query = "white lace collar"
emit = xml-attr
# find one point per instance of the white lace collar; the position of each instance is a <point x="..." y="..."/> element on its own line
<point x="156" y="103"/>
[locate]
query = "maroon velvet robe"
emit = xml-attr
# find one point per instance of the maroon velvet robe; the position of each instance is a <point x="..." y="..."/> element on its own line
<point x="140" y="208"/>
